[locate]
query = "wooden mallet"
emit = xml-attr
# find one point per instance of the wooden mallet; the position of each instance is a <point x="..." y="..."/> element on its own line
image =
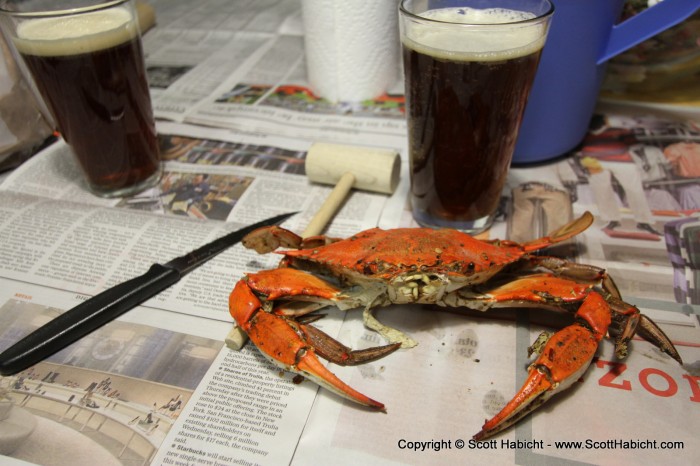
<point x="346" y="167"/>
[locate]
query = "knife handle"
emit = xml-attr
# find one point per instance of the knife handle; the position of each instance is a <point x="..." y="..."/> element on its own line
<point x="84" y="318"/>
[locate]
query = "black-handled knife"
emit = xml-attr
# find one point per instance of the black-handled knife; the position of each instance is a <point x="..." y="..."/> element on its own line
<point x="110" y="304"/>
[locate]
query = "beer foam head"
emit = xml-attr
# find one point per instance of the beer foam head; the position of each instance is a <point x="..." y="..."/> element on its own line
<point x="72" y="35"/>
<point x="469" y="34"/>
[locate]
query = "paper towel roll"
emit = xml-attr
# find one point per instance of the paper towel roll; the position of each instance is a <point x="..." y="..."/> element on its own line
<point x="352" y="47"/>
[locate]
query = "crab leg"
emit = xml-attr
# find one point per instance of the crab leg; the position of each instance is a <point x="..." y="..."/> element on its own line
<point x="562" y="234"/>
<point x="564" y="358"/>
<point x="292" y="345"/>
<point x="268" y="239"/>
<point x="581" y="273"/>
<point x="546" y="289"/>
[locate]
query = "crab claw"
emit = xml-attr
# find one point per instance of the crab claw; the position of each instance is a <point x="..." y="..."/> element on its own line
<point x="628" y="321"/>
<point x="285" y="342"/>
<point x="332" y="350"/>
<point x="564" y="358"/>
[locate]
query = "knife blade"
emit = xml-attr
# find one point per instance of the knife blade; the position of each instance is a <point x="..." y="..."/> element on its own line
<point x="110" y="304"/>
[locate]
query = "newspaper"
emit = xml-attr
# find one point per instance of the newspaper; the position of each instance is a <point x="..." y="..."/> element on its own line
<point x="62" y="245"/>
<point x="243" y="67"/>
<point x="159" y="386"/>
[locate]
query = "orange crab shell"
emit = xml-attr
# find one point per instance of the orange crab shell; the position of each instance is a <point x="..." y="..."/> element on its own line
<point x="386" y="254"/>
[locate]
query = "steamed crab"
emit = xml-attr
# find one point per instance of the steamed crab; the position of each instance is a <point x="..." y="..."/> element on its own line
<point x="444" y="267"/>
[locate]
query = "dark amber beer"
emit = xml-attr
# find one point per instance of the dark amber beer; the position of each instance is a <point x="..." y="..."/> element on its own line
<point x="466" y="96"/>
<point x="91" y="74"/>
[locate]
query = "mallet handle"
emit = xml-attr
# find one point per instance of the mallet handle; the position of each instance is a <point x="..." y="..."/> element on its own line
<point x="330" y="206"/>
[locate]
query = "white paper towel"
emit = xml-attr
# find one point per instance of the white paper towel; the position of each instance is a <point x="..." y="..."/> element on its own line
<point x="352" y="47"/>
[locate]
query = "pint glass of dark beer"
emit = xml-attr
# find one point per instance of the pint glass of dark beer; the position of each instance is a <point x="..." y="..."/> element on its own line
<point x="87" y="62"/>
<point x="469" y="66"/>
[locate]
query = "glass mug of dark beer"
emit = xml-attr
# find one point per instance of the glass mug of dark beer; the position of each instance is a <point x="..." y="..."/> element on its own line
<point x="87" y="62"/>
<point x="468" y="66"/>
